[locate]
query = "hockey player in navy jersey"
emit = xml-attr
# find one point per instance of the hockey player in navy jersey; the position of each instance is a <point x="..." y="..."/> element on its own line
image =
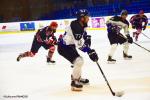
<point x="43" y="38"/>
<point x="138" y="22"/>
<point x="114" y="25"/>
<point x="75" y="36"/>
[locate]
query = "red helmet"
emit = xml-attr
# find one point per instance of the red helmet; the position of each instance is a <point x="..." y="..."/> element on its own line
<point x="141" y="12"/>
<point x="54" y="24"/>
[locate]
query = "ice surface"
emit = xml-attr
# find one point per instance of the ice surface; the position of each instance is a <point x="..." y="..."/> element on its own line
<point x="34" y="78"/>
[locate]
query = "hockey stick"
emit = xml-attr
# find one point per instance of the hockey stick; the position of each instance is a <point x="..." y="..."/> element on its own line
<point x="135" y="43"/>
<point x="141" y="46"/>
<point x="145" y="35"/>
<point x="118" y="94"/>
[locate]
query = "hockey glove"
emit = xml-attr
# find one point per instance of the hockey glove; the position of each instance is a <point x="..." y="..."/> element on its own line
<point x="144" y="27"/>
<point x="129" y="39"/>
<point x="51" y="42"/>
<point x="93" y="55"/>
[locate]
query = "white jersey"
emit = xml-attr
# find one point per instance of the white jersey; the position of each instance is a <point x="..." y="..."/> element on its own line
<point x="74" y="34"/>
<point x="69" y="38"/>
<point x="117" y="20"/>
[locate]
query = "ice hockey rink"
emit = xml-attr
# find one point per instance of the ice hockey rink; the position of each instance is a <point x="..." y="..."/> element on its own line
<point x="34" y="79"/>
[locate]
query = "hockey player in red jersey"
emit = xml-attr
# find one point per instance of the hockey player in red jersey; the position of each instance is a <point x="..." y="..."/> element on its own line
<point x="138" y="22"/>
<point x="45" y="38"/>
<point x="75" y="36"/>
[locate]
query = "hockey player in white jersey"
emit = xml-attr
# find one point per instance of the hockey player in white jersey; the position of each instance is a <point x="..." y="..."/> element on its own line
<point x="74" y="37"/>
<point x="114" y="25"/>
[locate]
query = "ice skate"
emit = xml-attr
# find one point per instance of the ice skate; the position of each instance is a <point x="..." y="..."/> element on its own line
<point x="19" y="57"/>
<point x="126" y="56"/>
<point x="76" y="85"/>
<point x="84" y="81"/>
<point x="49" y="61"/>
<point x="110" y="60"/>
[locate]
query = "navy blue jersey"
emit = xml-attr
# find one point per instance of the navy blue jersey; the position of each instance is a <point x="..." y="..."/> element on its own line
<point x="77" y="30"/>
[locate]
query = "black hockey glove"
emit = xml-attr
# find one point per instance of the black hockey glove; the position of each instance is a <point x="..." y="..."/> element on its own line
<point x="144" y="27"/>
<point x="93" y="55"/>
<point x="129" y="38"/>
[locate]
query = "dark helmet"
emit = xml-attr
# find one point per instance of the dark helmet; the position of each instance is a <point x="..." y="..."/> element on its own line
<point x="82" y="13"/>
<point x="124" y="12"/>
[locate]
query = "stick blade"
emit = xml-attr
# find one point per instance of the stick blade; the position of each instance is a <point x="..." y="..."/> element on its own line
<point x="119" y="94"/>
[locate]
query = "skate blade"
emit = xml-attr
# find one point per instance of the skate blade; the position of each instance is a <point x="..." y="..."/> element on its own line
<point x="51" y="63"/>
<point x="76" y="89"/>
<point x="111" y="62"/>
<point x="85" y="83"/>
<point x="127" y="58"/>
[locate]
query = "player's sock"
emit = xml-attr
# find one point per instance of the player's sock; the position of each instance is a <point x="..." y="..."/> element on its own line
<point x="25" y="54"/>
<point x="134" y="34"/>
